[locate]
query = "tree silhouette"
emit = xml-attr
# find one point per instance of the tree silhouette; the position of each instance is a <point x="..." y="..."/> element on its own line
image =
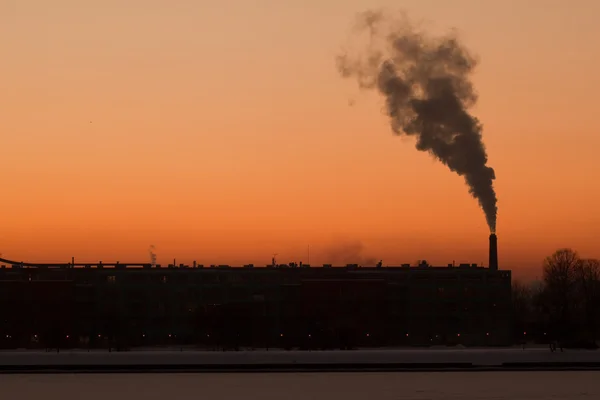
<point x="587" y="286"/>
<point x="522" y="302"/>
<point x="560" y="271"/>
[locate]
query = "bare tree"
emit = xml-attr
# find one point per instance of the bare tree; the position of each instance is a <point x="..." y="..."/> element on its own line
<point x="560" y="271"/>
<point x="565" y="306"/>
<point x="588" y="270"/>
<point x="560" y="268"/>
<point x="522" y="308"/>
<point x="587" y="280"/>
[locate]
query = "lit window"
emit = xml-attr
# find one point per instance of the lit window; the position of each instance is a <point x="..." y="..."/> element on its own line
<point x="111" y="279"/>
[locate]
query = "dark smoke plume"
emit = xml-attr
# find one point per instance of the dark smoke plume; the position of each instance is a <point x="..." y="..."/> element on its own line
<point x="425" y="82"/>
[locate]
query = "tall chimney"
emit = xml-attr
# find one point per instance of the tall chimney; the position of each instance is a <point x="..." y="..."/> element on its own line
<point x="493" y="252"/>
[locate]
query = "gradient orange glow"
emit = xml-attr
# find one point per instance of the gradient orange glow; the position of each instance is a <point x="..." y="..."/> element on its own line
<point x="221" y="132"/>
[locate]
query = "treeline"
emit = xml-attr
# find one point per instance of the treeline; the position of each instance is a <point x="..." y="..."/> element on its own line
<point x="563" y="307"/>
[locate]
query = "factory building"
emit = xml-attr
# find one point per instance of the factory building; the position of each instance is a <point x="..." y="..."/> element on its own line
<point x="290" y="306"/>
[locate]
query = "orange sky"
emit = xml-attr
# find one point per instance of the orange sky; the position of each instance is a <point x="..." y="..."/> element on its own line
<point x="221" y="131"/>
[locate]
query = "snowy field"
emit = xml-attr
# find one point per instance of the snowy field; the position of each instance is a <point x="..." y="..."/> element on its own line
<point x="530" y="385"/>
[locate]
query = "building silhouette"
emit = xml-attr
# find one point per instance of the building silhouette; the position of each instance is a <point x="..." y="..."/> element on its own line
<point x="127" y="305"/>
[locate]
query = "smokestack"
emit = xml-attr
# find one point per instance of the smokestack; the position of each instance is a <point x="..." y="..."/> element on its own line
<point x="493" y="252"/>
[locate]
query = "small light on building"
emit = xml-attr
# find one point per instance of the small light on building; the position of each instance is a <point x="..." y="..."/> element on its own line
<point x="458" y="334"/>
<point x="281" y="334"/>
<point x="99" y="336"/>
<point x="67" y="336"/>
<point x="524" y="333"/>
<point x="309" y="335"/>
<point x="407" y="335"/>
<point x="169" y="335"/>
<point x="487" y="334"/>
<point x="207" y="335"/>
<point x="368" y="335"/>
<point x="544" y="333"/>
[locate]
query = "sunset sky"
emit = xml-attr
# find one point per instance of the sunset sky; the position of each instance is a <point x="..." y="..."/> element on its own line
<point x="221" y="131"/>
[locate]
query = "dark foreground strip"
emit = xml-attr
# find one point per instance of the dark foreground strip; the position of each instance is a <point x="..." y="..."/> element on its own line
<point x="141" y="368"/>
<point x="533" y="365"/>
<point x="294" y="368"/>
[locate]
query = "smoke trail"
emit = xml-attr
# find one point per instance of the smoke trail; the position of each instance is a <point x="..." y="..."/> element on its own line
<point x="152" y="255"/>
<point x="425" y="82"/>
<point x="347" y="252"/>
